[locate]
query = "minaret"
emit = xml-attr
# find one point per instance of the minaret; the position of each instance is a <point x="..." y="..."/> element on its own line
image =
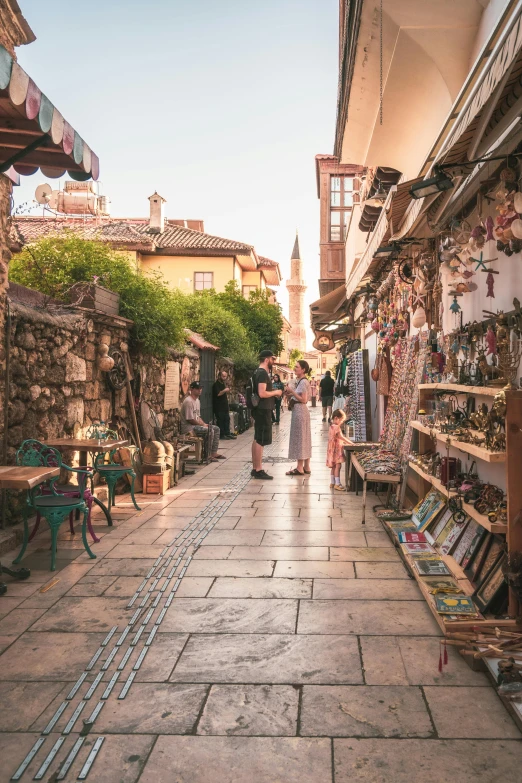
<point x="296" y="288"/>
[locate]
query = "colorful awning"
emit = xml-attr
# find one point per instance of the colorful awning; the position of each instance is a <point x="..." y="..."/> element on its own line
<point x="33" y="133"/>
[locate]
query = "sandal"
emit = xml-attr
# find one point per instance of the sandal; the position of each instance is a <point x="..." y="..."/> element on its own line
<point x="294" y="472"/>
<point x="308" y="472"/>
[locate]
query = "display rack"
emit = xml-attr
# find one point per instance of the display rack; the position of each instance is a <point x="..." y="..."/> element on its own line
<point x="512" y="530"/>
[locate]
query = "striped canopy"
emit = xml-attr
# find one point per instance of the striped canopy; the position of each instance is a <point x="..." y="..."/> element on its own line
<point x="27" y="116"/>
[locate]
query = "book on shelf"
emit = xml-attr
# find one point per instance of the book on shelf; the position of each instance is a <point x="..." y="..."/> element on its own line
<point x="455" y="604"/>
<point x="398" y="527"/>
<point x="428" y="509"/>
<point x="463" y="545"/>
<point x="414" y="548"/>
<point x="437" y="586"/>
<point x="431" y="567"/>
<point x="435" y="529"/>
<point x="454" y="534"/>
<point x="406" y="537"/>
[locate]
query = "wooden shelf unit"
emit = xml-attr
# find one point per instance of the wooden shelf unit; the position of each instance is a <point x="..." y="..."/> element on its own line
<point x="511" y="458"/>
<point x="487" y="391"/>
<point x="481" y="519"/>
<point x="476" y="451"/>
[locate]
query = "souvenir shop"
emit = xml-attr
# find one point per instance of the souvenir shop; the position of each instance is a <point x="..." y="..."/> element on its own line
<point x="439" y="331"/>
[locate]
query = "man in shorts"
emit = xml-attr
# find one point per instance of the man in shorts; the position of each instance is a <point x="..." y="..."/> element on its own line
<point x="326" y="390"/>
<point x="262" y="413"/>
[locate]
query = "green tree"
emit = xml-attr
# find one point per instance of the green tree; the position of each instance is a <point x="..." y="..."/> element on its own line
<point x="295" y="356"/>
<point x="262" y="319"/>
<point x="53" y="264"/>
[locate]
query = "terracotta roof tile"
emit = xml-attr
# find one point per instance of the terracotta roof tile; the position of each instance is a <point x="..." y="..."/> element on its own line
<point x="199" y="342"/>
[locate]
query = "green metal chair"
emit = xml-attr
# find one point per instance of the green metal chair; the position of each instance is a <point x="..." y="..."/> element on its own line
<point x="54" y="507"/>
<point x="111" y="471"/>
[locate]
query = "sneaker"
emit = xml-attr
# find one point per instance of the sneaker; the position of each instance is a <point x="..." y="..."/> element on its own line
<point x="253" y="472"/>
<point x="329" y="421"/>
<point x="332" y="486"/>
<point x="339" y="488"/>
<point x="263" y="475"/>
<point x="324" y="419"/>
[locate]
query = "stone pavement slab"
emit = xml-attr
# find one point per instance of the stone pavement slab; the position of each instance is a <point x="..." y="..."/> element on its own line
<point x="426" y="761"/>
<point x="314" y="570"/>
<point x="469" y="713"/>
<point x="230" y="587"/>
<point x="23" y="702"/>
<point x="366" y="589"/>
<point x="399" y="618"/>
<point x="412" y="660"/>
<point x="248" y="710"/>
<point x="275" y="658"/>
<point x="49" y="656"/>
<point x="226" y="615"/>
<point x="231" y="568"/>
<point x="363" y="711"/>
<point x="234" y="759"/>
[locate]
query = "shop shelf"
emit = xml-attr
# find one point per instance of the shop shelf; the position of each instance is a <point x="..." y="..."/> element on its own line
<point x="481" y="519"/>
<point x="469" y="448"/>
<point x="487" y="391"/>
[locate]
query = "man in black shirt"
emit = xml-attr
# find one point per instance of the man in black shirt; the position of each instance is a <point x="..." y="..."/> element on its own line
<point x="262" y="413"/>
<point x="326" y="390"/>
<point x="220" y="406"/>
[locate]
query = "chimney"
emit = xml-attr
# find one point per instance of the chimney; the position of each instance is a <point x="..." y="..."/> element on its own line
<point x="157" y="218"/>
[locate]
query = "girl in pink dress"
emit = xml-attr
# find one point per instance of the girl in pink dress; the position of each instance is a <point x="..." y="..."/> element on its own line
<point x="335" y="451"/>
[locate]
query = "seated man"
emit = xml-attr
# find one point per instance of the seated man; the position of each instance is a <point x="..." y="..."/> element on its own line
<point x="191" y="421"/>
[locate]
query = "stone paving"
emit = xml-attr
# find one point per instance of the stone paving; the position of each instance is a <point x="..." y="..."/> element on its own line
<point x="237" y="631"/>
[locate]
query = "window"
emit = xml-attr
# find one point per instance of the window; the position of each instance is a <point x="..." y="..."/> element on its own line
<point x="247" y="289"/>
<point x="341" y="203"/>
<point x="203" y="281"/>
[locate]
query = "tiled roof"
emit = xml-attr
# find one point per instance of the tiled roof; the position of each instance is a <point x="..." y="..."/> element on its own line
<point x="134" y="234"/>
<point x="199" y="342"/>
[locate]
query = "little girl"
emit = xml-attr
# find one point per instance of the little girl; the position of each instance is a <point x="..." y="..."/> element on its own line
<point x="335" y="452"/>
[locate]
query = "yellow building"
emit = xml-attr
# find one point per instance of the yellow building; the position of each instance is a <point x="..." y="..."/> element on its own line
<point x="188" y="258"/>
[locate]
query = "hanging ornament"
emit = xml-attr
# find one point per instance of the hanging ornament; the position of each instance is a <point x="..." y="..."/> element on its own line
<point x="490" y="282"/>
<point x="419" y="317"/>
<point x="455" y="307"/>
<point x="490" y="225"/>
<point x="491" y="341"/>
<point x="479" y="262"/>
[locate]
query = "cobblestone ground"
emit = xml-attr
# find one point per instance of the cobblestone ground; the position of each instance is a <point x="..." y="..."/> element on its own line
<point x="237" y="631"/>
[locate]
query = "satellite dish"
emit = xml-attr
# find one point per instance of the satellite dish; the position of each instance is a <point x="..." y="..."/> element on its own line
<point x="52" y="200"/>
<point x="43" y="193"/>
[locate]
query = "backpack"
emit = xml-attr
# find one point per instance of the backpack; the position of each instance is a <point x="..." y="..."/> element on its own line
<point x="252" y="397"/>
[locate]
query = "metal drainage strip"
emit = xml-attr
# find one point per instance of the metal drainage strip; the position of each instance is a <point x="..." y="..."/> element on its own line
<point x="201" y="525"/>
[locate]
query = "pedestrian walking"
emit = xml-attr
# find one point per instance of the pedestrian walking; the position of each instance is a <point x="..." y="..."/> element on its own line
<point x="335" y="451"/>
<point x="192" y="423"/>
<point x="326" y="390"/>
<point x="276" y="412"/>
<point x="313" y="391"/>
<point x="261" y="388"/>
<point x="220" y="406"/>
<point x="300" y="446"/>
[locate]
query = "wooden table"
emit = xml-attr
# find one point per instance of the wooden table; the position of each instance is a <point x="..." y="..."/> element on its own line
<point x="14" y="477"/>
<point x="348" y="451"/>
<point x="382" y="478"/>
<point x="86" y="446"/>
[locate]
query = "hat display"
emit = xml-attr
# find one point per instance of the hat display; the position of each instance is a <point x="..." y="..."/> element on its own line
<point x="196" y="385"/>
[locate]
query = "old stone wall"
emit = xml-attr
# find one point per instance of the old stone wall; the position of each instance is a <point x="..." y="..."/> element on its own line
<point x="56" y="388"/>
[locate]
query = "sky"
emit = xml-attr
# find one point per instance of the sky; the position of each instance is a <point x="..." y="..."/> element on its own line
<point x="219" y="106"/>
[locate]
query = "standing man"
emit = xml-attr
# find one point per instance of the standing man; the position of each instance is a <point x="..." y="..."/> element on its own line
<point x="262" y="413"/>
<point x="220" y="406"/>
<point x="191" y="421"/>
<point x="326" y="390"/>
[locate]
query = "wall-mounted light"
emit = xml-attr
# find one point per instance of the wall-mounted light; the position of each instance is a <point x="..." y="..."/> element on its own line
<point x="378" y="198"/>
<point x="436" y="184"/>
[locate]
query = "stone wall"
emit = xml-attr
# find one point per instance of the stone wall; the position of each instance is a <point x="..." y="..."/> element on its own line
<point x="56" y="387"/>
